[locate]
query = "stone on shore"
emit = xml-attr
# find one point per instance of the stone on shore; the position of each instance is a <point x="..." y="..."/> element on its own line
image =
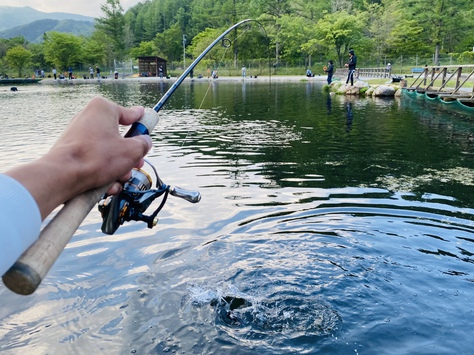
<point x="362" y="88"/>
<point x="358" y="88"/>
<point x="384" y="90"/>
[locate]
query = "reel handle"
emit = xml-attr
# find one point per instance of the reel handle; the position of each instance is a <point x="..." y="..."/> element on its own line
<point x="188" y="195"/>
<point x="29" y="270"/>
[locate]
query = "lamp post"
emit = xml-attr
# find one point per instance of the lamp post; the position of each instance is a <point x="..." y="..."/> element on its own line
<point x="184" y="52"/>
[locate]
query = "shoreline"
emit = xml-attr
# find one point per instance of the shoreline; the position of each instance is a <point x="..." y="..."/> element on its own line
<point x="360" y="86"/>
<point x="261" y="78"/>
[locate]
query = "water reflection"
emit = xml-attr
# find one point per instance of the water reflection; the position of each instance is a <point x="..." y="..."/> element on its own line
<point x="349" y="116"/>
<point x="307" y="239"/>
<point x="329" y="104"/>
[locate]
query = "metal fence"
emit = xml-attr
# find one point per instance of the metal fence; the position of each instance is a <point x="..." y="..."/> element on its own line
<point x="375" y="65"/>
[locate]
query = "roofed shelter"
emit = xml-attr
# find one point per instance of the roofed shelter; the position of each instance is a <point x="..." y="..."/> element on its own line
<point x="148" y="66"/>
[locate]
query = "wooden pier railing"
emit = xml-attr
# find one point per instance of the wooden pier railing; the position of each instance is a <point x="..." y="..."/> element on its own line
<point x="455" y="81"/>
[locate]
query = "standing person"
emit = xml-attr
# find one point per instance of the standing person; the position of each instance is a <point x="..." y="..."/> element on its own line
<point x="97" y="70"/>
<point x="70" y="73"/>
<point x="244" y="71"/>
<point x="351" y="64"/>
<point x="389" y="69"/>
<point x="330" y="71"/>
<point x="54" y="73"/>
<point x="91" y="72"/>
<point x="160" y="71"/>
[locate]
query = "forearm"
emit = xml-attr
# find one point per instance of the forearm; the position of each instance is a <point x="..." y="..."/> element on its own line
<point x="86" y="156"/>
<point x="49" y="181"/>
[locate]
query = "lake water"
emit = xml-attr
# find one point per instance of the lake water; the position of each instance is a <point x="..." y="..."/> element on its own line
<point x="328" y="225"/>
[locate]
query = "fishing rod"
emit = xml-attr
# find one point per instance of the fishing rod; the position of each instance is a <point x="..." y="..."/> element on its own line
<point x="30" y="269"/>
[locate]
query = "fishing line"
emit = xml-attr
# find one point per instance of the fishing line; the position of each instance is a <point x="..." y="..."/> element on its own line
<point x="31" y="268"/>
<point x="227" y="43"/>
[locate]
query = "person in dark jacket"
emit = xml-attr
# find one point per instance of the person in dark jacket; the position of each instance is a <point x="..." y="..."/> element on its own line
<point x="330" y="71"/>
<point x="351" y="65"/>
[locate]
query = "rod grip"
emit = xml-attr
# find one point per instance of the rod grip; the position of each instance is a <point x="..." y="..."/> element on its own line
<point x="29" y="270"/>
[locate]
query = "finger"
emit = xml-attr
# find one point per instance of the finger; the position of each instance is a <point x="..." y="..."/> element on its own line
<point x="114" y="189"/>
<point x="125" y="178"/>
<point x="132" y="151"/>
<point x="130" y="115"/>
<point x="140" y="164"/>
<point x="143" y="143"/>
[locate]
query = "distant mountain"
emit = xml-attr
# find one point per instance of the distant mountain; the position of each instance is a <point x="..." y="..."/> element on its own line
<point x="11" y="16"/>
<point x="34" y="31"/>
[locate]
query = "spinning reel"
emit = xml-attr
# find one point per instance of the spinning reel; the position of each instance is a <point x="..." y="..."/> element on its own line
<point x="135" y="197"/>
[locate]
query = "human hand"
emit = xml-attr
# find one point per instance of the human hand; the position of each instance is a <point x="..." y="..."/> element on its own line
<point x="90" y="153"/>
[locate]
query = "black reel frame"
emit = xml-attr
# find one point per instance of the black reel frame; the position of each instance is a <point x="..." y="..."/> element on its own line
<point x="130" y="205"/>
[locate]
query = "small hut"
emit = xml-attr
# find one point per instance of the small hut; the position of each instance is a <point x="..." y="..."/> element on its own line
<point x="149" y="65"/>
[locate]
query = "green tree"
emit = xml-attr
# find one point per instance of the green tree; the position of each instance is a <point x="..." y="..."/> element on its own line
<point x="380" y="22"/>
<point x="311" y="10"/>
<point x="18" y="58"/>
<point x="132" y="28"/>
<point x="112" y="25"/>
<point x="169" y="43"/>
<point x="295" y="31"/>
<point x="202" y="40"/>
<point x="152" y="19"/>
<point x="62" y="49"/>
<point x="144" y="49"/>
<point x="467" y="57"/>
<point x="93" y="51"/>
<point x="406" y="39"/>
<point x="338" y="31"/>
<point x="6" y="44"/>
<point x="3" y="67"/>
<point x="270" y="11"/>
<point x="439" y="18"/>
<point x="301" y="29"/>
<point x="38" y="60"/>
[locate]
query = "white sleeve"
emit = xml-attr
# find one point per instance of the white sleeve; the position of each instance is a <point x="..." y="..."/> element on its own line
<point x="20" y="221"/>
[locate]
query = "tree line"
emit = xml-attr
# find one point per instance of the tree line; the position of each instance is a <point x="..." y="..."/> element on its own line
<point x="290" y="31"/>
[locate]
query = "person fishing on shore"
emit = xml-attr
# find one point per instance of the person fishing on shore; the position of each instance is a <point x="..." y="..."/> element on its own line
<point x="330" y="70"/>
<point x="351" y="65"/>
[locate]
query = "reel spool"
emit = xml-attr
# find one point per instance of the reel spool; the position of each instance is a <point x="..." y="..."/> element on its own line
<point x="135" y="197"/>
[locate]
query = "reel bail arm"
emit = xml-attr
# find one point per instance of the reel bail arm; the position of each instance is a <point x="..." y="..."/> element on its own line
<point x="132" y="202"/>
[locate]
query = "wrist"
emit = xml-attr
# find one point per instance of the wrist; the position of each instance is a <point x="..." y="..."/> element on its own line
<point x="49" y="181"/>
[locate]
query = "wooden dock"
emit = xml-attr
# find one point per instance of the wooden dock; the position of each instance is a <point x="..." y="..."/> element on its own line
<point x="450" y="84"/>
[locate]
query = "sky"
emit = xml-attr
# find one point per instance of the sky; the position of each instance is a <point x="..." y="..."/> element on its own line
<point x="80" y="7"/>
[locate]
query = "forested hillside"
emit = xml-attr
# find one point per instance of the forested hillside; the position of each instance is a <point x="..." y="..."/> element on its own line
<point x="291" y="33"/>
<point x="13" y="16"/>
<point x="34" y="31"/>
<point x="310" y="28"/>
